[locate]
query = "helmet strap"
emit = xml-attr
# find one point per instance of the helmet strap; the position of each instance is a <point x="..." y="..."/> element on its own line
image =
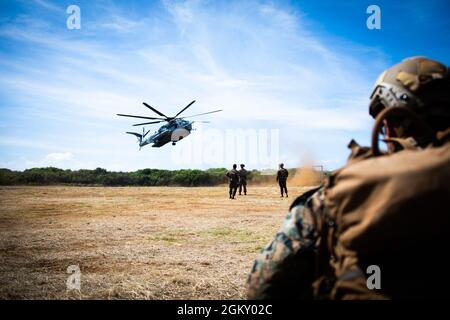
<point x="382" y="119"/>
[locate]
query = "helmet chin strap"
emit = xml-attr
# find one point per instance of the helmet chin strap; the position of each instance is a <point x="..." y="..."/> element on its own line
<point x="388" y="135"/>
<point x="381" y="120"/>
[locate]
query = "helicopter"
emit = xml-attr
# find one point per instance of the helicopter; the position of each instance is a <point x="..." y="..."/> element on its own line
<point x="173" y="131"/>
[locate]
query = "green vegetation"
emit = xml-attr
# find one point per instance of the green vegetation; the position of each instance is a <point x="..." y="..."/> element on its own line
<point x="99" y="176"/>
<point x="144" y="177"/>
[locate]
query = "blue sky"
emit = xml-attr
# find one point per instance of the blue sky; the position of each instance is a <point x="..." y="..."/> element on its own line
<point x="305" y="68"/>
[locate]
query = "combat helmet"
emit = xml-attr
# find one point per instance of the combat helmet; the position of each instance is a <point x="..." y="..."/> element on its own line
<point x="416" y="95"/>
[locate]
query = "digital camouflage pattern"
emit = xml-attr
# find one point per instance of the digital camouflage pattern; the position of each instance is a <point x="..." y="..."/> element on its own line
<point x="243" y="176"/>
<point x="233" y="177"/>
<point x="243" y="180"/>
<point x="285" y="267"/>
<point x="396" y="218"/>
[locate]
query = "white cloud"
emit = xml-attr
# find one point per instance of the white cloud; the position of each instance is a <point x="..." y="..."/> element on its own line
<point x="64" y="160"/>
<point x="263" y="69"/>
<point x="120" y="24"/>
<point x="48" y="5"/>
<point x="58" y="157"/>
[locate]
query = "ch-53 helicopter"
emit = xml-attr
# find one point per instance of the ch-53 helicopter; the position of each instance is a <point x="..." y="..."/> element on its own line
<point x="175" y="129"/>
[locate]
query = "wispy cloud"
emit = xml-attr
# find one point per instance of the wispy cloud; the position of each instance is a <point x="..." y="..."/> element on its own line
<point x="266" y="69"/>
<point x="120" y="24"/>
<point x="48" y="5"/>
<point x="59" y="157"/>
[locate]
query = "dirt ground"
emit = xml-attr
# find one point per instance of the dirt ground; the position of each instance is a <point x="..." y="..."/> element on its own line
<point x="133" y="242"/>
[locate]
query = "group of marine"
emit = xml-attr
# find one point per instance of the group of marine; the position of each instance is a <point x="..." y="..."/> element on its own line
<point x="238" y="180"/>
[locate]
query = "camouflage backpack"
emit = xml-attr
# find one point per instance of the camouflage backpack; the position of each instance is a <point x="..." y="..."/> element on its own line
<point x="390" y="212"/>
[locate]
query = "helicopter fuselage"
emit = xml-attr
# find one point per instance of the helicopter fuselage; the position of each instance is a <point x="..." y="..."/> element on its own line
<point x="173" y="131"/>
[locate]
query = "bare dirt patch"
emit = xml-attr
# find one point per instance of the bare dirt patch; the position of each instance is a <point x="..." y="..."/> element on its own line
<point x="134" y="242"/>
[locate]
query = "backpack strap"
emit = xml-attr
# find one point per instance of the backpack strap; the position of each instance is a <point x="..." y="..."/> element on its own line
<point x="443" y="136"/>
<point x="405" y="143"/>
<point x="325" y="275"/>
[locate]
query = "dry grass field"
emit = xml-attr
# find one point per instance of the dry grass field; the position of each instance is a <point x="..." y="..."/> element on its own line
<point x="132" y="242"/>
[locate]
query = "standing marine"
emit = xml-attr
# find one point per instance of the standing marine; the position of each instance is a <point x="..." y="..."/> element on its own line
<point x="233" y="178"/>
<point x="243" y="180"/>
<point x="282" y="176"/>
<point x="378" y="227"/>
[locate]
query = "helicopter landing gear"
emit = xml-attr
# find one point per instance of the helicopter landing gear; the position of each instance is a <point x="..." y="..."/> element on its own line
<point x="174" y="143"/>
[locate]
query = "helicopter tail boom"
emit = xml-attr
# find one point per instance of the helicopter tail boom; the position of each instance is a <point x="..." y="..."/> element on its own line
<point x="137" y="135"/>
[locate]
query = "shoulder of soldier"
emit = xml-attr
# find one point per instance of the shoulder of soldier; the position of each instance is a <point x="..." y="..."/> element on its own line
<point x="301" y="200"/>
<point x="307" y="210"/>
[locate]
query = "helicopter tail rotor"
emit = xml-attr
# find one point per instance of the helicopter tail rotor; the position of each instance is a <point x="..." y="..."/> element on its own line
<point x="144" y="134"/>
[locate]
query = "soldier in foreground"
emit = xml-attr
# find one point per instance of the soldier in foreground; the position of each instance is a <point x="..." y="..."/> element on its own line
<point x="385" y="211"/>
<point x="282" y="176"/>
<point x="243" y="180"/>
<point x="233" y="177"/>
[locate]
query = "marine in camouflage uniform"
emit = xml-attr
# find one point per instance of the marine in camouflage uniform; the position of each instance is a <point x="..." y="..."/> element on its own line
<point x="282" y="176"/>
<point x="362" y="215"/>
<point x="243" y="180"/>
<point x="233" y="177"/>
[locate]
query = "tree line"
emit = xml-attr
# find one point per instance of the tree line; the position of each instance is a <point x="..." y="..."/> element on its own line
<point x="100" y="176"/>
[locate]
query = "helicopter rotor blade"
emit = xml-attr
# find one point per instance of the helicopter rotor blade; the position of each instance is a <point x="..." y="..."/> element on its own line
<point x="152" y="122"/>
<point x="140" y="117"/>
<point x="154" y="110"/>
<point x="195" y="115"/>
<point x="184" y="109"/>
